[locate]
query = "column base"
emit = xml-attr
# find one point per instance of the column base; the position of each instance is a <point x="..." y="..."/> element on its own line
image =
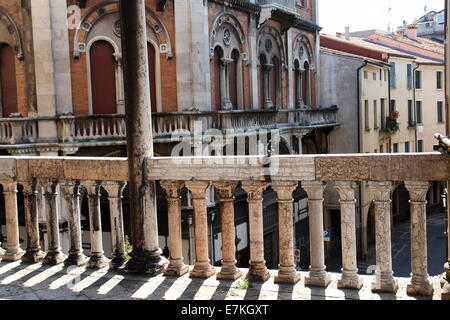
<point x="145" y="262"/>
<point x="258" y="272"/>
<point x="2" y="251"/>
<point x="386" y="286"/>
<point x="79" y="260"/>
<point x="176" y="271"/>
<point x="229" y="274"/>
<point x="13" y="255"/>
<point x="353" y="283"/>
<point x="202" y="273"/>
<point x="54" y="258"/>
<point x="98" y="262"/>
<point x="290" y="278"/>
<point x="33" y="256"/>
<point x="425" y="289"/>
<point x="445" y="292"/>
<point x="116" y="262"/>
<point x="318" y="281"/>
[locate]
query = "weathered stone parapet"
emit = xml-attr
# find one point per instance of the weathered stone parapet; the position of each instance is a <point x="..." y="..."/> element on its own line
<point x="13" y="251"/>
<point x="257" y="270"/>
<point x="176" y="265"/>
<point x="420" y="285"/>
<point x="350" y="278"/>
<point x="202" y="266"/>
<point x="384" y="279"/>
<point x="317" y="274"/>
<point x="287" y="272"/>
<point x="33" y="252"/>
<point x="72" y="199"/>
<point x="115" y="190"/>
<point x="226" y="198"/>
<point x="54" y="254"/>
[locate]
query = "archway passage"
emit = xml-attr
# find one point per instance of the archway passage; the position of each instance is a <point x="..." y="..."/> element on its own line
<point x="152" y="75"/>
<point x="8" y="88"/>
<point x="103" y="78"/>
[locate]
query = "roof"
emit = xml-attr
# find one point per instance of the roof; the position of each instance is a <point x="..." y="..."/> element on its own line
<point x="351" y="55"/>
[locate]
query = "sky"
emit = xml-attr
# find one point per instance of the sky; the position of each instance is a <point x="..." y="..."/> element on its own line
<point x="335" y="15"/>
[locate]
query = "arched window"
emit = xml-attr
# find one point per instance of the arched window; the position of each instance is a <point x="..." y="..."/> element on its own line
<point x="274" y="81"/>
<point x="8" y="89"/>
<point x="103" y="78"/>
<point x="298" y="97"/>
<point x="303" y="66"/>
<point x="262" y="81"/>
<point x="218" y="54"/>
<point x="306" y="86"/>
<point x="233" y="70"/>
<point x="152" y="75"/>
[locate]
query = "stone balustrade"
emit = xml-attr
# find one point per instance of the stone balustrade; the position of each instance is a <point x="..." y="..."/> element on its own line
<point x="78" y="130"/>
<point x="283" y="175"/>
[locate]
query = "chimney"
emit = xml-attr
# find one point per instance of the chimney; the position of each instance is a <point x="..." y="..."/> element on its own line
<point x="347" y="33"/>
<point x="400" y="31"/>
<point x="411" y="31"/>
<point x="338" y="34"/>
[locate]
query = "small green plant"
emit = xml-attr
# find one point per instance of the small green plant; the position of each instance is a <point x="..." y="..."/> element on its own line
<point x="128" y="248"/>
<point x="244" y="284"/>
<point x="391" y="131"/>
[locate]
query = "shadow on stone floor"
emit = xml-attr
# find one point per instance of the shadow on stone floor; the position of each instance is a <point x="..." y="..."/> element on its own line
<point x="285" y="292"/>
<point x="192" y="289"/>
<point x="317" y="293"/>
<point x="254" y="291"/>
<point x="222" y="289"/>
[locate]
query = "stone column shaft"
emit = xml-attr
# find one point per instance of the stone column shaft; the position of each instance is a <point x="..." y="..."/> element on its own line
<point x="13" y="251"/>
<point x="115" y="190"/>
<point x="317" y="274"/>
<point x="267" y="95"/>
<point x="229" y="270"/>
<point x="146" y="255"/>
<point x="420" y="285"/>
<point x="202" y="267"/>
<point x="258" y="270"/>
<point x="384" y="279"/>
<point x="33" y="252"/>
<point x="350" y="277"/>
<point x="287" y="272"/>
<point x="176" y="266"/>
<point x="72" y="198"/>
<point x="54" y="255"/>
<point x="97" y="258"/>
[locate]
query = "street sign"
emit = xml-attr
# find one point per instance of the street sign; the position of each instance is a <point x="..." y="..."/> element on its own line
<point x="327" y="235"/>
<point x="297" y="254"/>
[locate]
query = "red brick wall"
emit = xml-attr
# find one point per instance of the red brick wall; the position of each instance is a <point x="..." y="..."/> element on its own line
<point x="14" y="9"/>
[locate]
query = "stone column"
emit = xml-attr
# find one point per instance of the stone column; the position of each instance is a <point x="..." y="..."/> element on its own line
<point x="317" y="274"/>
<point x="72" y="198"/>
<point x="268" y="103"/>
<point x="202" y="267"/>
<point x="287" y="272"/>
<point x="97" y="258"/>
<point x="347" y="200"/>
<point x="13" y="251"/>
<point x="384" y="279"/>
<point x="225" y="84"/>
<point x="257" y="270"/>
<point x="33" y="252"/>
<point x="226" y="198"/>
<point x="176" y="266"/>
<point x="146" y="255"/>
<point x="115" y="190"/>
<point x="420" y="285"/>
<point x="54" y="255"/>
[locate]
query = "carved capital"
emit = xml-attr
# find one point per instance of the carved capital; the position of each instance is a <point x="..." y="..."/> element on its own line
<point x="9" y="187"/>
<point x="114" y="188"/>
<point x="417" y="190"/>
<point x="48" y="185"/>
<point x="381" y="190"/>
<point x="70" y="188"/>
<point x="284" y="189"/>
<point x="198" y="189"/>
<point x="92" y="187"/>
<point x="314" y="189"/>
<point x="172" y="188"/>
<point x="254" y="189"/>
<point x="346" y="190"/>
<point x="225" y="189"/>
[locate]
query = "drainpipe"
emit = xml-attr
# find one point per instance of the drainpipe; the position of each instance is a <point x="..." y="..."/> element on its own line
<point x="358" y="112"/>
<point x="414" y="107"/>
<point x="389" y="106"/>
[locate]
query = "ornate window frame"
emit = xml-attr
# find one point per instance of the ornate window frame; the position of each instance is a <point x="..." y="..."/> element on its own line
<point x="14" y="40"/>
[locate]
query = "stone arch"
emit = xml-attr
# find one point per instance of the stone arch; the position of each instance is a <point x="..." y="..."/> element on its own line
<point x="110" y="8"/>
<point x="10" y="34"/>
<point x="227" y="32"/>
<point x="270" y="44"/>
<point x="303" y="51"/>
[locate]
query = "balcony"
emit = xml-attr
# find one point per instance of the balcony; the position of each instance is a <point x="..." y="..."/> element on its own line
<point x="46" y="276"/>
<point x="20" y="135"/>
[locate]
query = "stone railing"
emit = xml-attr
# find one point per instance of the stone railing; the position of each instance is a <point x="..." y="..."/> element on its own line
<point x="283" y="175"/>
<point x="80" y="129"/>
